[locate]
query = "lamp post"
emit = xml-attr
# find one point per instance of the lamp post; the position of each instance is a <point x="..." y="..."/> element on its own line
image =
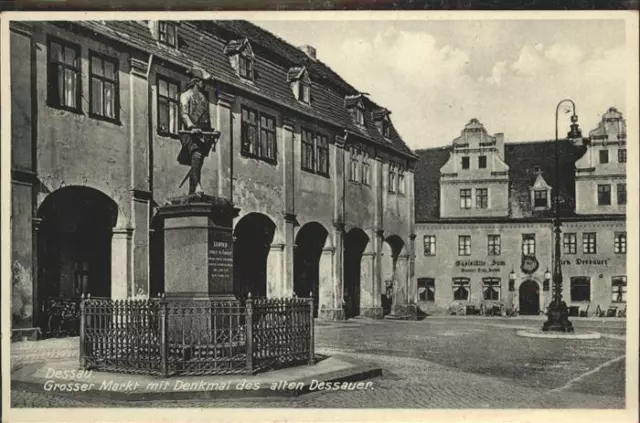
<point x="558" y="313"/>
<point x="512" y="288"/>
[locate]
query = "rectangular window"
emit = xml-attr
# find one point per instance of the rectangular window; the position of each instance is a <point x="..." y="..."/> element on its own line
<point x="465" y="198"/>
<point x="427" y="289"/>
<point x="392" y="178"/>
<point x="461" y="289"/>
<point x="604" y="156"/>
<point x="465" y="162"/>
<point x="493" y="245"/>
<point x="245" y="66"/>
<point x="464" y="245"/>
<point x="589" y="243"/>
<point x="168" y="106"/>
<point x="580" y="288"/>
<point x="482" y="198"/>
<point x="315" y="153"/>
<point x="258" y="135"/>
<point x="401" y="185"/>
<point x="604" y="195"/>
<point x="620" y="242"/>
<point x="569" y="243"/>
<point x="482" y="162"/>
<point x="529" y="244"/>
<point x="621" y="191"/>
<point x="622" y="155"/>
<point x="167" y="33"/>
<point x="64" y="75"/>
<point x="366" y="170"/>
<point x="304" y="92"/>
<point x="491" y="289"/>
<point x="355" y="165"/>
<point x="429" y="245"/>
<point x="359" y="116"/>
<point x="103" y="86"/>
<point x="619" y="289"/>
<point x="540" y="198"/>
<point x="386" y="128"/>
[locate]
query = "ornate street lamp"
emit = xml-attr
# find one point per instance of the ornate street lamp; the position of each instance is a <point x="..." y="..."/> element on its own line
<point x="558" y="313"/>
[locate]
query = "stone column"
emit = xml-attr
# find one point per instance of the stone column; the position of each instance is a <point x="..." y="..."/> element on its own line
<point x="275" y="272"/>
<point x="121" y="263"/>
<point x="290" y="223"/>
<point x="369" y="288"/>
<point x="326" y="285"/>
<point x="333" y="309"/>
<point x="225" y="145"/>
<point x="413" y="282"/>
<point x="401" y="307"/>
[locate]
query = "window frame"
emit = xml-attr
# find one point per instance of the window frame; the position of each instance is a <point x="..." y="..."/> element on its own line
<point x="569" y="247"/>
<point x="482" y="162"/>
<point x="622" y="155"/>
<point x="464" y="245"/>
<point x="537" y="197"/>
<point x="170" y="101"/>
<point x="482" y="201"/>
<point x="429" y="294"/>
<point x="460" y="283"/>
<point x="492" y="283"/>
<point x="304" y="92"/>
<point x="494" y="248"/>
<point x="603" y="156"/>
<point x="53" y="70"/>
<point x="116" y="86"/>
<point x="316" y="151"/>
<point x="620" y="243"/>
<point x="392" y="180"/>
<point x="465" y="163"/>
<point x="166" y="41"/>
<point x="621" y="292"/>
<point x="366" y="169"/>
<point x="354" y="168"/>
<point x="401" y="181"/>
<point x="573" y="288"/>
<point x="465" y="201"/>
<point x="622" y="191"/>
<point x="604" y="194"/>
<point x="587" y="237"/>
<point x="246" y="66"/>
<point x="529" y="244"/>
<point x="262" y="143"/>
<point x="431" y="241"/>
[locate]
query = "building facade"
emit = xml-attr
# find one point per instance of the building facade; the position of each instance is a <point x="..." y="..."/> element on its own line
<point x="484" y="220"/>
<point x="323" y="181"/>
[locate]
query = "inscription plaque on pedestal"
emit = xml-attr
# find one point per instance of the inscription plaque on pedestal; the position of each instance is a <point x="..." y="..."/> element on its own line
<point x="220" y="261"/>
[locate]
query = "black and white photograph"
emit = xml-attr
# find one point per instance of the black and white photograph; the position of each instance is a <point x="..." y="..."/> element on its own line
<point x="377" y="213"/>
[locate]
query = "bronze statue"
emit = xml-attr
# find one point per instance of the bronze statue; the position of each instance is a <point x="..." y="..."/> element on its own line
<point x="198" y="138"/>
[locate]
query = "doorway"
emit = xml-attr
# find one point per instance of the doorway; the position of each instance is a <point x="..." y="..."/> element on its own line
<point x="529" y="294"/>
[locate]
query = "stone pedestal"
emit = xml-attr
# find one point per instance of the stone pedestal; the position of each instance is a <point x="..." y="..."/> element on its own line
<point x="198" y="247"/>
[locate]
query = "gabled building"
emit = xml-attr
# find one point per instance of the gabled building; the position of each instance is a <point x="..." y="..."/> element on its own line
<point x="323" y="180"/>
<point x="484" y="211"/>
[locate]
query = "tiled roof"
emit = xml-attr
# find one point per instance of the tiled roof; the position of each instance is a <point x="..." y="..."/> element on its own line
<point x="203" y="43"/>
<point x="524" y="159"/>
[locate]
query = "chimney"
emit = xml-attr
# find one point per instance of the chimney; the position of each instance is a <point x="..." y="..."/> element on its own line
<point x="309" y="51"/>
<point x="500" y="143"/>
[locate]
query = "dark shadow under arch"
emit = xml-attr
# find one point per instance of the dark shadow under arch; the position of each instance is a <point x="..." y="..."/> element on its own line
<point x="253" y="236"/>
<point x="310" y="240"/>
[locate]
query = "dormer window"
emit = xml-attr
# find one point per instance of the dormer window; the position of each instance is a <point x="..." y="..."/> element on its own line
<point x="540" y="193"/>
<point x="355" y="106"/>
<point x="298" y="77"/>
<point x="382" y="121"/>
<point x="242" y="58"/>
<point x="386" y="128"/>
<point x="167" y="33"/>
<point x="540" y="198"/>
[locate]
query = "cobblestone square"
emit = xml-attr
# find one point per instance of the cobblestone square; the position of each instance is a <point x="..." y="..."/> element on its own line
<point x="435" y="363"/>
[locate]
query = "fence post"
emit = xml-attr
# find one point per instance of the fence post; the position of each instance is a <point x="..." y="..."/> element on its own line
<point x="249" y="332"/>
<point x="164" y="338"/>
<point x="311" y="331"/>
<point x="82" y="329"/>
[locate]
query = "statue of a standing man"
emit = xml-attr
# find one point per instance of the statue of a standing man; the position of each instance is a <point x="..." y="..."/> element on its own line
<point x="198" y="137"/>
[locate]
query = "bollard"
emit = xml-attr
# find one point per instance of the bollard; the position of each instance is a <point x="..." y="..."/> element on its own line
<point x="311" y="331"/>
<point x="249" y="333"/>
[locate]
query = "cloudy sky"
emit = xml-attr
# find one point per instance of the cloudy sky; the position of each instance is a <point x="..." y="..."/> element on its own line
<point x="437" y="75"/>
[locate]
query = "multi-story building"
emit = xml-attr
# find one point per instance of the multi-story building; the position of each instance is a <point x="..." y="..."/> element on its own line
<point x="484" y="212"/>
<point x="323" y="180"/>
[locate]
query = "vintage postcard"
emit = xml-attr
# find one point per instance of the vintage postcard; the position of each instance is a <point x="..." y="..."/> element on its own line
<point x="323" y="217"/>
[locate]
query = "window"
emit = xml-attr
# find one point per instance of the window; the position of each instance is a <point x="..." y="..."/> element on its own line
<point x="491" y="289"/>
<point x="621" y="191"/>
<point x="429" y="245"/>
<point x="315" y="153"/>
<point x="392" y="177"/>
<point x="569" y="243"/>
<point x="304" y="92"/>
<point x="482" y="162"/>
<point x="589" y="243"/>
<point x="540" y="198"/>
<point x="64" y="75"/>
<point x="366" y="169"/>
<point x="357" y="114"/>
<point x="258" y="134"/>
<point x="481" y="198"/>
<point x="461" y="289"/>
<point x="580" y="288"/>
<point x="465" y="198"/>
<point x="529" y="244"/>
<point x="355" y="165"/>
<point x="167" y="33"/>
<point x="493" y="245"/>
<point x="604" y="156"/>
<point x="464" y="245"/>
<point x="465" y="162"/>
<point x="401" y="186"/>
<point x="426" y="289"/>
<point x="622" y="155"/>
<point x="386" y="128"/>
<point x="103" y="87"/>
<point x="620" y="242"/>
<point x="168" y="105"/>
<point x="619" y="289"/>
<point x="245" y="66"/>
<point x="604" y="195"/>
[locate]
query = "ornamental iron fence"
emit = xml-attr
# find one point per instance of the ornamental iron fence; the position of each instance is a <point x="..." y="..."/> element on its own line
<point x="196" y="336"/>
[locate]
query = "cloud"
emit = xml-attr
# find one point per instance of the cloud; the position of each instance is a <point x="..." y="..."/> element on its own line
<point x="564" y="54"/>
